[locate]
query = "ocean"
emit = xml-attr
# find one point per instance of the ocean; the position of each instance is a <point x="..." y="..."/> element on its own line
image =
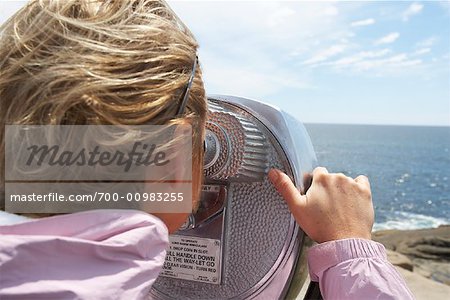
<point x="408" y="167"/>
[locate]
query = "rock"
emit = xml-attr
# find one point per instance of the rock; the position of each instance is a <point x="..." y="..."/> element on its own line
<point x="424" y="243"/>
<point x="427" y="249"/>
<point x="400" y="260"/>
<point x="437" y="271"/>
<point x="423" y="288"/>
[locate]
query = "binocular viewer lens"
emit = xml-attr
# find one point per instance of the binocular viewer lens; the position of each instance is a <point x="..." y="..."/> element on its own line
<point x="211" y="147"/>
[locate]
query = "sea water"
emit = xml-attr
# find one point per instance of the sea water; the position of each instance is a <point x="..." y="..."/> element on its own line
<point x="408" y="168"/>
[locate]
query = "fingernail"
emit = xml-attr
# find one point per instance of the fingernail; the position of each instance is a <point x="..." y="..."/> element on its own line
<point x="273" y="175"/>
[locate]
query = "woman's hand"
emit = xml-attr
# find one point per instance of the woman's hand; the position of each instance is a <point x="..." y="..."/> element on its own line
<point x="335" y="206"/>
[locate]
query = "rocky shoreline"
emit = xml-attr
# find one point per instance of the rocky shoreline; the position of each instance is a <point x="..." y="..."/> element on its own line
<point x="422" y="256"/>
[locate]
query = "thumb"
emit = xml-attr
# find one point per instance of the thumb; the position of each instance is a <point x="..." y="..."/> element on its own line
<point x="287" y="189"/>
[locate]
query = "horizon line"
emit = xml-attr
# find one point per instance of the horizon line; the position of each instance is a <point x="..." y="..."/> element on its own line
<point x="377" y="124"/>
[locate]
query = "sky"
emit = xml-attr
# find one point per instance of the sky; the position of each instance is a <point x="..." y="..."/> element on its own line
<point x="366" y="62"/>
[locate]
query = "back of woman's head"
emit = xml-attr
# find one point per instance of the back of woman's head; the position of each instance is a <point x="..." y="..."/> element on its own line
<point x="99" y="62"/>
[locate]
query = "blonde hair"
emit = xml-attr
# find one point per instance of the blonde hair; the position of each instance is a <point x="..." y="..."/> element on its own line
<point x="99" y="62"/>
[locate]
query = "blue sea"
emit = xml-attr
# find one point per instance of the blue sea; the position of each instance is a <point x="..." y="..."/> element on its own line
<point x="408" y="167"/>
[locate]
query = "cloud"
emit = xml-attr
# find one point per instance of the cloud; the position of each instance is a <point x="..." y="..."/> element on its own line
<point x="8" y="8"/>
<point x="262" y="49"/>
<point x="387" y="39"/>
<point x="325" y="54"/>
<point x="412" y="10"/>
<point x="377" y="63"/>
<point x="260" y="25"/>
<point x="389" y="64"/>
<point x="381" y="62"/>
<point x="279" y="16"/>
<point x="422" y="51"/>
<point x="352" y="59"/>
<point x="445" y="4"/>
<point x="255" y="48"/>
<point x="427" y="42"/>
<point x="330" y="11"/>
<point x="227" y="76"/>
<point x="364" y="22"/>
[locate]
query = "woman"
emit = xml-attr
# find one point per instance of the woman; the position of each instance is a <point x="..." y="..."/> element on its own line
<point x="131" y="62"/>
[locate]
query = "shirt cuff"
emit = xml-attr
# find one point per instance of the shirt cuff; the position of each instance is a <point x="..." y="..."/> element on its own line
<point x="326" y="255"/>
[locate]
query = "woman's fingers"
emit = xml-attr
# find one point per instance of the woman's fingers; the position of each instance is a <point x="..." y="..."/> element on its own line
<point x="363" y="180"/>
<point x="287" y="189"/>
<point x="334" y="208"/>
<point x="319" y="171"/>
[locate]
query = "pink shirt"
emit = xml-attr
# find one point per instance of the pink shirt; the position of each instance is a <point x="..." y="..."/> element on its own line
<point x="355" y="269"/>
<point x="118" y="254"/>
<point x="113" y="254"/>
